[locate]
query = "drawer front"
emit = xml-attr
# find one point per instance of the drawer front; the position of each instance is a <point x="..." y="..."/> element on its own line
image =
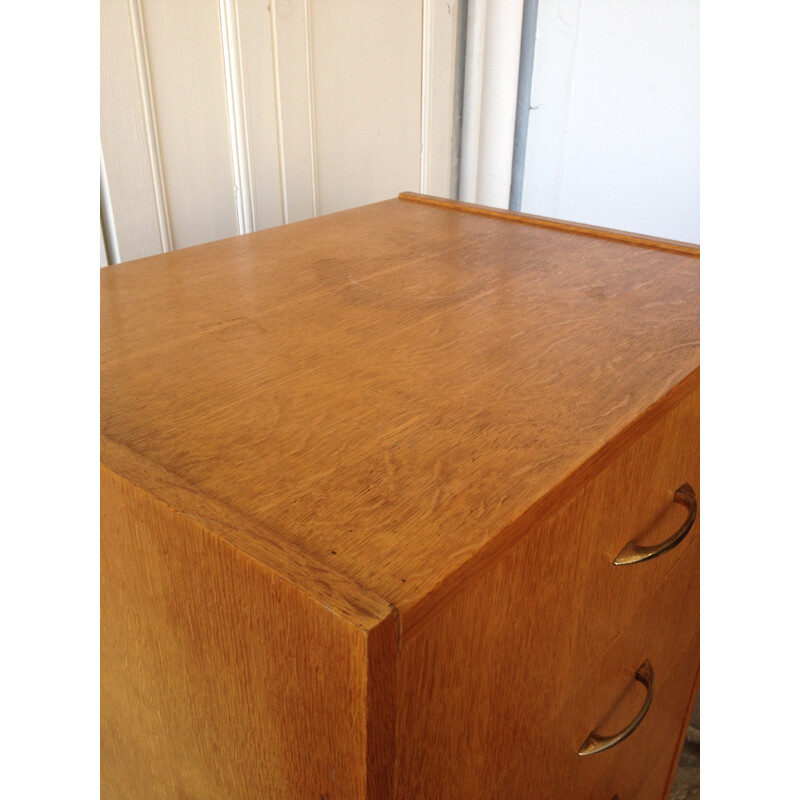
<point x="631" y="501"/>
<point x="635" y="501"/>
<point x="665" y="633"/>
<point x="484" y="686"/>
<point x="607" y="698"/>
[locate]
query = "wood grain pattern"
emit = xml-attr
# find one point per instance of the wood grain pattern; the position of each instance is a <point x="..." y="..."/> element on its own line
<point x="631" y="499"/>
<point x="673" y="759"/>
<point x="557" y="224"/>
<point x="382" y="665"/>
<point x="364" y="477"/>
<point x="334" y="592"/>
<point x="540" y="616"/>
<point x="219" y="678"/>
<point x="391" y="386"/>
<point x="665" y="630"/>
<point x="573" y="500"/>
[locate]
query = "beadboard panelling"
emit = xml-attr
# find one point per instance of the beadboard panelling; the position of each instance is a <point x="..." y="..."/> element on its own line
<point x="291" y="60"/>
<point x="439" y="48"/>
<point x="103" y="254"/>
<point x="258" y="89"/>
<point x="367" y="79"/>
<point x="109" y="250"/>
<point x="237" y="127"/>
<point x="184" y="46"/>
<point x="225" y="116"/>
<point x="131" y="192"/>
<point x="151" y="125"/>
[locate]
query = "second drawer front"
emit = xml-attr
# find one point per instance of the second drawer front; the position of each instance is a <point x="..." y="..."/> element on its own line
<point x="665" y="633"/>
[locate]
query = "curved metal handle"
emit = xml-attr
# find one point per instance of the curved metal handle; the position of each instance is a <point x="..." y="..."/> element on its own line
<point x="595" y="743"/>
<point x="633" y="553"/>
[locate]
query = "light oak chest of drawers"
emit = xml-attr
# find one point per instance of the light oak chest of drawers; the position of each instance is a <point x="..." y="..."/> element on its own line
<point x="364" y="480"/>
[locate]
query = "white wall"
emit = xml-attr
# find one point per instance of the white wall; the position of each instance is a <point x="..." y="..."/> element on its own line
<point x="221" y="117"/>
<point x="613" y="132"/>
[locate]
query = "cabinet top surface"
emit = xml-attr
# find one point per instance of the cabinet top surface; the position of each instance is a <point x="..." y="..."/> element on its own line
<point x="388" y="388"/>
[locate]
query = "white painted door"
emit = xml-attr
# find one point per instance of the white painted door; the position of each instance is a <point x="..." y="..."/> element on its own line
<point x="221" y="117"/>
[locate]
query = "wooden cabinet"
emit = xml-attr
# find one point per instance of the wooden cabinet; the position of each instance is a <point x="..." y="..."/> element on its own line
<point x="364" y="479"/>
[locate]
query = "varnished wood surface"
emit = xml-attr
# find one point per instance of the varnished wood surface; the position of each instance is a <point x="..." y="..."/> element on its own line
<point x="332" y="590"/>
<point x="630" y="499"/>
<point x="487" y="700"/>
<point x="387" y="390"/>
<point x="674" y="757"/>
<point x="495" y="733"/>
<point x="382" y="666"/>
<point x="364" y="478"/>
<point x="557" y="224"/>
<point x="664" y="630"/>
<point x="219" y="679"/>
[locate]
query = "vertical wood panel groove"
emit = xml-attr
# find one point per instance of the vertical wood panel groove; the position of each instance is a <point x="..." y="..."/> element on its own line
<point x="148" y="109"/>
<point x="278" y="111"/>
<point x="426" y="90"/>
<point x="107" y="226"/>
<point x="237" y="116"/>
<point x="311" y="108"/>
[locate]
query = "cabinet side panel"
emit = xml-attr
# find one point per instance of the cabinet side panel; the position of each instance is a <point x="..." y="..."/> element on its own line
<point x="218" y="678"/>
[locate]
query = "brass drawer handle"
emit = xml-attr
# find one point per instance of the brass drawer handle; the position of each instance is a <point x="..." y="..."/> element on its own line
<point x="595" y="743"/>
<point x="633" y="553"/>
